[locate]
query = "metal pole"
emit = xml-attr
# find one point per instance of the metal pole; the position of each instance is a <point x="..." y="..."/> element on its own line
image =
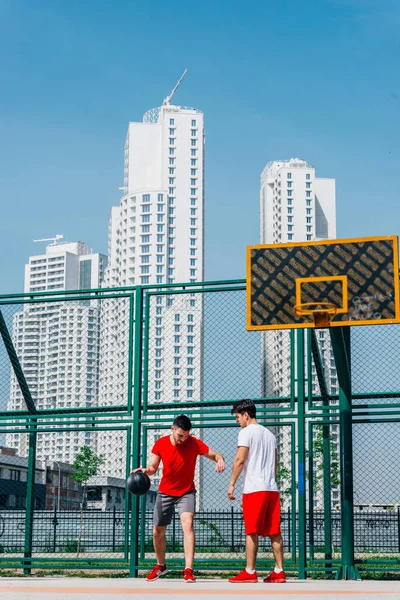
<point x="398" y="526"/>
<point x="113" y="529"/>
<point x="136" y="356"/>
<point x="59" y="484"/>
<point x="340" y="337"/>
<point x="301" y="454"/>
<point x="232" y="530"/>
<point x="30" y="497"/>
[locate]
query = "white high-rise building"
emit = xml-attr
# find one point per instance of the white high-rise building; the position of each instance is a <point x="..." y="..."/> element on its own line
<point x="295" y="206"/>
<point x="156" y="237"/>
<point x="58" y="345"/>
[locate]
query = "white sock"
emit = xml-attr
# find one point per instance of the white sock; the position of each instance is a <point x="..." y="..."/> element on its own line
<point x="278" y="570"/>
<point x="250" y="571"/>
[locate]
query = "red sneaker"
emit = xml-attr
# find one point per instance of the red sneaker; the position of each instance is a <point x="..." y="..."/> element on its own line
<point x="157" y="572"/>
<point x="276" y="577"/>
<point x="244" y="577"/>
<point x="188" y="576"/>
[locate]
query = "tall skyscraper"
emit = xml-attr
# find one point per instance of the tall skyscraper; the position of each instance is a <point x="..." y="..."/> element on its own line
<point x="295" y="206"/>
<point x="58" y="344"/>
<point x="156" y="237"/>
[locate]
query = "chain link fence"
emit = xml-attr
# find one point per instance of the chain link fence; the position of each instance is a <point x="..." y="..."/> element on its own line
<point x="88" y="360"/>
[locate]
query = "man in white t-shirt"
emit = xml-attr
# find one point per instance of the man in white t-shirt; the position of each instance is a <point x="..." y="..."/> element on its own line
<point x="257" y="457"/>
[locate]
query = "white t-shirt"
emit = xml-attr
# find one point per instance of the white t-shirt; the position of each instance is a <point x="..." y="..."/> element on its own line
<point x="259" y="466"/>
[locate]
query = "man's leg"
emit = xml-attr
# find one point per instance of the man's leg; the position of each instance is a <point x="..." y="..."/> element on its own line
<point x="160" y="543"/>
<point x="188" y="538"/>
<point x="277" y="548"/>
<point x="251" y="551"/>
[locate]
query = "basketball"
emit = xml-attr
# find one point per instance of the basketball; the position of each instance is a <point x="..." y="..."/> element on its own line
<point x="138" y="483"/>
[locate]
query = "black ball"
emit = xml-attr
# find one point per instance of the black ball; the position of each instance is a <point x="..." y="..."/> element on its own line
<point x="138" y="483"/>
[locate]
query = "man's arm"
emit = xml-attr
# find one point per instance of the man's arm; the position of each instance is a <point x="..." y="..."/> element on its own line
<point x="241" y="455"/>
<point x="276" y="461"/>
<point x="152" y="467"/>
<point x="216" y="457"/>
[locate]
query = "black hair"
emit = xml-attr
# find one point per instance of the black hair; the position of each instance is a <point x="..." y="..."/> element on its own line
<point x="244" y="406"/>
<point x="182" y="422"/>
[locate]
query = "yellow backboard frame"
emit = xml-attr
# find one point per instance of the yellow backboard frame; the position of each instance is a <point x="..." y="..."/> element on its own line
<point x="342" y="277"/>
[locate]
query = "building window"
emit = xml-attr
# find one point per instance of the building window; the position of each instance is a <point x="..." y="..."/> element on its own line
<point x="146" y="198"/>
<point x="290" y="236"/>
<point x="290" y="227"/>
<point x="193" y="152"/>
<point x="172" y="131"/>
<point x="289" y="176"/>
<point x="146" y="208"/>
<point x="172" y="121"/>
<point x="193" y="161"/>
<point x="308" y="219"/>
<point x="290" y="202"/>
<point x="308" y="194"/>
<point x="308" y="176"/>
<point x="308" y="202"/>
<point x="193" y="122"/>
<point x="308" y="185"/>
<point x="289" y="184"/>
<point x="290" y="192"/>
<point x="193" y="132"/>
<point x="308" y="228"/>
<point x="309" y="238"/>
<point x="176" y="393"/>
<point x="15" y="475"/>
<point x="290" y="211"/>
<point x="171" y="161"/>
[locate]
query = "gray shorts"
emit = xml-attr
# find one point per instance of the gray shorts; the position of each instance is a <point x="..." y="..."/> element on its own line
<point x="165" y="505"/>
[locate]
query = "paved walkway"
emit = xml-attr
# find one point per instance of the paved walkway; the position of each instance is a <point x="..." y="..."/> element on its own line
<point x="54" y="588"/>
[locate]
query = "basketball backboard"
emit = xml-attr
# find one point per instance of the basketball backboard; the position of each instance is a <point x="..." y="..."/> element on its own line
<point x="357" y="278"/>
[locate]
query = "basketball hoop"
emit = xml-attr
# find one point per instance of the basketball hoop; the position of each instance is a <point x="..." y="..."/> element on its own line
<point x="321" y="312"/>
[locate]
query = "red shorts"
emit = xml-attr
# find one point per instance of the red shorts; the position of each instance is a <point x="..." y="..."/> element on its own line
<point x="262" y="513"/>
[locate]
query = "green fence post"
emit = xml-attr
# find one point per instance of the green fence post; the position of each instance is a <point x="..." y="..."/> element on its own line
<point x="340" y="337"/>
<point x="143" y="502"/>
<point x="30" y="498"/>
<point x="301" y="454"/>
<point x="137" y="399"/>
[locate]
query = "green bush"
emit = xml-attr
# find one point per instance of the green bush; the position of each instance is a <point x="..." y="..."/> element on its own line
<point x="72" y="546"/>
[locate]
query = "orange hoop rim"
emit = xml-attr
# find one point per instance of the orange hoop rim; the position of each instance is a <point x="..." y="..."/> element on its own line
<point x="305" y="309"/>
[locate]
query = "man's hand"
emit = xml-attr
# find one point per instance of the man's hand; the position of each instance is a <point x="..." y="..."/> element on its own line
<point x="220" y="466"/>
<point x="143" y="469"/>
<point x="231" y="491"/>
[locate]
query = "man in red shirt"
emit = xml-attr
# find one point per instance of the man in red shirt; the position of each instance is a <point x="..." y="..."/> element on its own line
<point x="178" y="453"/>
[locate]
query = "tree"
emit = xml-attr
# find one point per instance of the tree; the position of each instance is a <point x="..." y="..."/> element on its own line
<point x="86" y="465"/>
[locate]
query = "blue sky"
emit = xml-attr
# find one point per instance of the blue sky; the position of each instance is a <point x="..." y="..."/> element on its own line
<point x="275" y="79"/>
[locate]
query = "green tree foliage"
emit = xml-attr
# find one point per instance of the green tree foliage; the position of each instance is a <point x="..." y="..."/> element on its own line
<point x="86" y="465"/>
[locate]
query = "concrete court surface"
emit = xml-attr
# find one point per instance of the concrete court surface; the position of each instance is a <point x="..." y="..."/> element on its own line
<point x="60" y="588"/>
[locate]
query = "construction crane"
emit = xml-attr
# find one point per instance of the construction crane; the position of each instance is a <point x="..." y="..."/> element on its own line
<point x="168" y="99"/>
<point x="56" y="239"/>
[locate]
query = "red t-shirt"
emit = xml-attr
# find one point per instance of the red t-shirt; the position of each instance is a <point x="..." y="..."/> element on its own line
<point x="179" y="464"/>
